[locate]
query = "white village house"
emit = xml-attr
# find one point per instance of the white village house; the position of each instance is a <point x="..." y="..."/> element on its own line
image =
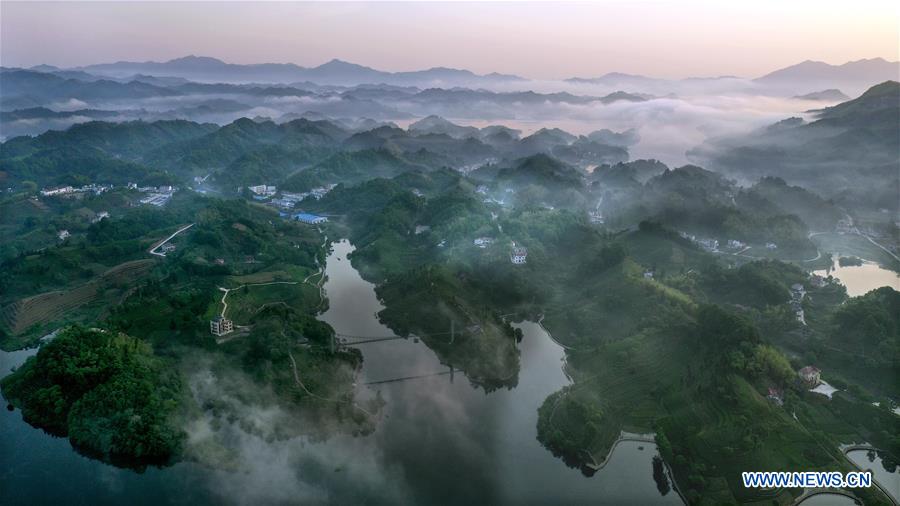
<point x="709" y="244"/>
<point x="518" y="254"/>
<point x="47" y="192"/>
<point x="483" y="242"/>
<point x="263" y="189"/>
<point x="220" y="326"/>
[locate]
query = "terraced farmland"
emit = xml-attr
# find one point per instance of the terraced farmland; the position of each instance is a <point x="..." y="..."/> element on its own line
<point x="33" y="312"/>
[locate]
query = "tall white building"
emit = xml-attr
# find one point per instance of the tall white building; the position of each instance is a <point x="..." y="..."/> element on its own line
<point x="220" y="326"/>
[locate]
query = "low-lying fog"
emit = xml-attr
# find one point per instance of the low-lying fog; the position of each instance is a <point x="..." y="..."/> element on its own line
<point x="668" y="126"/>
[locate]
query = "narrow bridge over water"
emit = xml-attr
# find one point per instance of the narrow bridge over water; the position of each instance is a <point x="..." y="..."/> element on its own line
<point x="347" y="340"/>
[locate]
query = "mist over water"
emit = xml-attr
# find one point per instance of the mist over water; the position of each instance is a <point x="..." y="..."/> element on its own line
<point x="440" y="439"/>
<point x="667" y="231"/>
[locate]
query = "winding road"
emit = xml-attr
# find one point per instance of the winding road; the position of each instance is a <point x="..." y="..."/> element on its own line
<point x="153" y="249"/>
<point x="229" y="290"/>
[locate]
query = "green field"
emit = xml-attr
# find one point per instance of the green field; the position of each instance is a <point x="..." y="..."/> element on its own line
<point x="855" y="245"/>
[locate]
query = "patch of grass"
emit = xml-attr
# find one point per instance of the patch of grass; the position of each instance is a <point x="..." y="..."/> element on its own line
<point x="855" y="245"/>
<point x="245" y="302"/>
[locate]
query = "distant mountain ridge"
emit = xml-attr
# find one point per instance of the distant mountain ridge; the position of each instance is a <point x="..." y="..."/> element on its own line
<point x="873" y="68"/>
<point x="810" y="76"/>
<point x="854" y="76"/>
<point x="337" y="72"/>
<point x="832" y="95"/>
<point x="340" y="72"/>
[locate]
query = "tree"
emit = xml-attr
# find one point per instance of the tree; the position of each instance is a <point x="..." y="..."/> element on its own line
<point x="723" y="330"/>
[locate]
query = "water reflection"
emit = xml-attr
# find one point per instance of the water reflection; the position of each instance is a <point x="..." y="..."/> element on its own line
<point x="440" y="440"/>
<point x="829" y="500"/>
<point x="887" y="474"/>
<point x="861" y="279"/>
<point x="456" y="444"/>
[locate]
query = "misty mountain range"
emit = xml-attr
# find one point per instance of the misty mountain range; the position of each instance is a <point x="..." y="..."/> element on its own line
<point x="334" y="72"/>
<point x="819" y="74"/>
<point x="207" y="90"/>
<point x="337" y="72"/>
<point x="848" y="151"/>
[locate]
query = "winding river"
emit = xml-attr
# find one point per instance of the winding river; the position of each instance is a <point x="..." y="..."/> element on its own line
<point x="440" y="439"/>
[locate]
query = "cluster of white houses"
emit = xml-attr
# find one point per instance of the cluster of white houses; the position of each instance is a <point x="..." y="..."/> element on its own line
<point x="712" y="245"/>
<point x="706" y="243"/>
<point x="156" y="195"/>
<point x="57" y="191"/>
<point x="166" y="188"/>
<point x="263" y="190"/>
<point x="287" y="200"/>
<point x="156" y="199"/>
<point x="483" y="242"/>
<point x="518" y="255"/>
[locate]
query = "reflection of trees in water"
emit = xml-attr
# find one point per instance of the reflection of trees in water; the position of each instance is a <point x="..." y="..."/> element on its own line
<point x="659" y="476"/>
<point x="887" y="461"/>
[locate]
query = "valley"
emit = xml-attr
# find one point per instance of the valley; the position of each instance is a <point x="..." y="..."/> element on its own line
<point x="358" y="300"/>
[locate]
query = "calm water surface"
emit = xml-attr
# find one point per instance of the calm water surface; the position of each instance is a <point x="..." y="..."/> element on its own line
<point x="829" y="500"/>
<point x="861" y="279"/>
<point x="871" y="461"/>
<point x="440" y="440"/>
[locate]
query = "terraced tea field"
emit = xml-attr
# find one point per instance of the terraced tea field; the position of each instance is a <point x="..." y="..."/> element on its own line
<point x="24" y="315"/>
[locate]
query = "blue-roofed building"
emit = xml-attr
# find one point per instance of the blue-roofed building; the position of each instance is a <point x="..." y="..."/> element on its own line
<point x="311" y="219"/>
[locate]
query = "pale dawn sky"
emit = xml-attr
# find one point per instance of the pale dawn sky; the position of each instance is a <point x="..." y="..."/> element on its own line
<point x="536" y="40"/>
